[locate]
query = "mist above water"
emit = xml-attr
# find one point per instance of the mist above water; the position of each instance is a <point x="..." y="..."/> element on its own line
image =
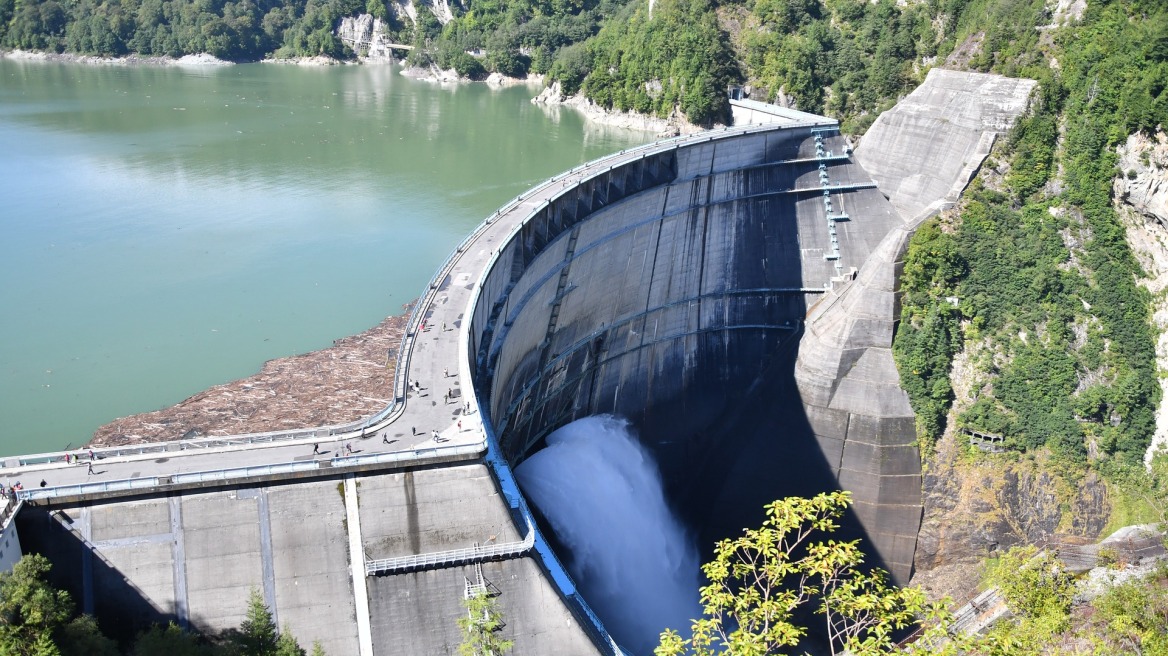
<point x="632" y="559"/>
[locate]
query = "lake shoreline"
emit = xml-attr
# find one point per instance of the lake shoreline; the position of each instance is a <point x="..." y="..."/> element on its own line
<point x="207" y="221"/>
<point x="197" y="60"/>
<point x="129" y="60"/>
<point x="345" y="382"/>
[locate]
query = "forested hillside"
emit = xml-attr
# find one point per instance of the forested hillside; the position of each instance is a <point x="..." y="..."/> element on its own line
<point x="849" y="58"/>
<point x="237" y="31"/>
<point x="1049" y="313"/>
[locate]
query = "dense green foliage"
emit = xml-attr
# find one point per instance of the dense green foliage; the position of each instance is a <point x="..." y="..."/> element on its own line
<point x="1047" y="286"/>
<point x="762" y="584"/>
<point x="243" y="30"/>
<point x="31" y="611"/>
<point x="847" y="58"/>
<point x="679" y="58"/>
<point x="1129" y="618"/>
<point x="38" y="620"/>
<point x="925" y="348"/>
<point x="480" y="628"/>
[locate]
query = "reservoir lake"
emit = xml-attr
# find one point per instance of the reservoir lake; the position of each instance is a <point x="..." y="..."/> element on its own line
<point x="166" y="229"/>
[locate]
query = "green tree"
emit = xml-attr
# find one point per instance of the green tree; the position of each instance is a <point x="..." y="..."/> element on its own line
<point x="286" y="645"/>
<point x="82" y="636"/>
<point x="169" y="640"/>
<point x="1038" y="591"/>
<point x="481" y="626"/>
<point x="257" y="633"/>
<point x="30" y="609"/>
<point x="759" y="583"/>
<point x="1133" y="616"/>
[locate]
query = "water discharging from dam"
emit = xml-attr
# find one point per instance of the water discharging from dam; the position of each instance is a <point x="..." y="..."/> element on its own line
<point x="602" y="494"/>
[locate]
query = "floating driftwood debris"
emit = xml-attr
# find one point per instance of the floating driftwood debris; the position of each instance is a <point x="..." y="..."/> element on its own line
<point x="345" y="382"/>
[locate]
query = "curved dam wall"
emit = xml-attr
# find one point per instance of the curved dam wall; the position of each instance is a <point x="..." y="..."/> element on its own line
<point x="673" y="290"/>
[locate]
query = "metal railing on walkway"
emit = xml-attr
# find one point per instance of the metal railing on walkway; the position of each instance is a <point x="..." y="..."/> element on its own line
<point x="452" y="557"/>
<point x="12" y="506"/>
<point x="415" y="456"/>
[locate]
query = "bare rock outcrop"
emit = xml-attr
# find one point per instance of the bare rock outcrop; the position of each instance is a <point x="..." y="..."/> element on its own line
<point x="554" y="96"/>
<point x="1143" y="175"/>
<point x="1064" y="12"/>
<point x="404" y="10"/>
<point x="976" y="507"/>
<point x="366" y="36"/>
<point x="1140" y="191"/>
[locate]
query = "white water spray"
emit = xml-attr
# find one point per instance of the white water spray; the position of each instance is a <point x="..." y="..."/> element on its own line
<point x="630" y="556"/>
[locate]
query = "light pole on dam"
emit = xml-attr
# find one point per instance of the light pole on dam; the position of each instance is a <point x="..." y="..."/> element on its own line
<point x="732" y="294"/>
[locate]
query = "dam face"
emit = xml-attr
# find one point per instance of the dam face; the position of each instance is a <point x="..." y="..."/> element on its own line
<point x="673" y="291"/>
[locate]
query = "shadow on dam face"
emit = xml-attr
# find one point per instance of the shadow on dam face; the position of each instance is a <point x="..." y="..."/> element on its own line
<point x="672" y="291"/>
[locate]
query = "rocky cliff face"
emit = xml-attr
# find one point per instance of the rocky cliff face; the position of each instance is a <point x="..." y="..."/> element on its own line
<point x="1140" y="194"/>
<point x="976" y="506"/>
<point x="553" y="96"/>
<point x="366" y="36"/>
<point x="408" y="10"/>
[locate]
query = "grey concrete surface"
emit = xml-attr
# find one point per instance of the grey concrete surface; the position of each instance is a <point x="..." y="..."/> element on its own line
<point x="136" y="539"/>
<point x="851" y="391"/>
<point x="223" y="556"/>
<point x="310" y="562"/>
<point x="668" y="284"/>
<point x="418" y="613"/>
<point x="430" y="510"/>
<point x="925" y="150"/>
<point x="675" y="297"/>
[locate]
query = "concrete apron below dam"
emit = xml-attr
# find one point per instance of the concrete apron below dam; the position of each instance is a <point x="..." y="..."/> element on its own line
<point x="194" y="557"/>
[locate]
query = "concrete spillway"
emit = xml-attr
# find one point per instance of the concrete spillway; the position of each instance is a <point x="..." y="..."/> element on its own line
<point x="672" y="290"/>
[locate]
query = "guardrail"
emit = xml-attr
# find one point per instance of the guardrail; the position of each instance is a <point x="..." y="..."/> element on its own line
<point x="451" y="557"/>
<point x="12" y="506"/>
<point x="121" y="485"/>
<point x="415" y="456"/>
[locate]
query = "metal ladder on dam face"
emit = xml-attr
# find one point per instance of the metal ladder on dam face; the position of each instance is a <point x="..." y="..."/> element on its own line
<point x="825" y="181"/>
<point x="562" y="287"/>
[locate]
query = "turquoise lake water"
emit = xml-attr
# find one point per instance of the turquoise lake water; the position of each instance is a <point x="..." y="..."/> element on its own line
<point x="166" y="229"/>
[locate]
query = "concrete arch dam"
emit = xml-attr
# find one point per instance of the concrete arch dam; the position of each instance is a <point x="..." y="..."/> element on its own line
<point x="732" y="293"/>
<point x="733" y="296"/>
